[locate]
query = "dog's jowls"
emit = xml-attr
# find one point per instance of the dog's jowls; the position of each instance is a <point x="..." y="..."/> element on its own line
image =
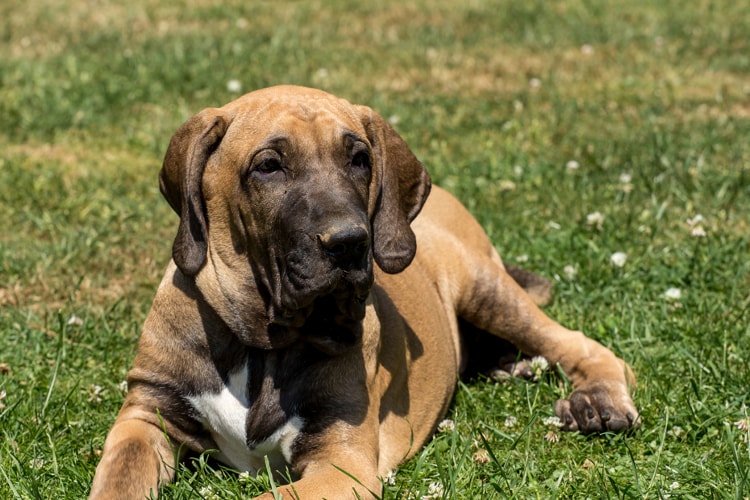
<point x="311" y="316"/>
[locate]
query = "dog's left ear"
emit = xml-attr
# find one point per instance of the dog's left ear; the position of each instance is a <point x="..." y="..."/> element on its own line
<point x="399" y="189"/>
<point x="180" y="182"/>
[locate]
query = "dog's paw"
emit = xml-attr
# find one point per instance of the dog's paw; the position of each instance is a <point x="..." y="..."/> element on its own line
<point x="598" y="408"/>
<point x="505" y="371"/>
<point x="525" y="368"/>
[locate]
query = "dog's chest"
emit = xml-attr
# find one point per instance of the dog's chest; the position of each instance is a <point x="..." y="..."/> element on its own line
<point x="228" y="416"/>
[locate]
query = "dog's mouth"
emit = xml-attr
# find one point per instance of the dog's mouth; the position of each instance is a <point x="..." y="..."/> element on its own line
<point x="341" y="304"/>
<point x="330" y="322"/>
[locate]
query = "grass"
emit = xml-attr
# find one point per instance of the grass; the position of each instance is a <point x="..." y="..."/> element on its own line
<point x="651" y="102"/>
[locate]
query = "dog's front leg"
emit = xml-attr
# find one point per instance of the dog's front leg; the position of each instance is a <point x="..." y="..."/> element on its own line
<point x="137" y="458"/>
<point x="339" y="463"/>
<point x="332" y="483"/>
<point x="602" y="381"/>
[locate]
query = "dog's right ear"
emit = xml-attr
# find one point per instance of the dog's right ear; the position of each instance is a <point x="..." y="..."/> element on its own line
<point x="180" y="182"/>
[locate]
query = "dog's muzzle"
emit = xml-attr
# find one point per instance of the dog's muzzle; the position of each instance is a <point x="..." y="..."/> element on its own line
<point x="327" y="274"/>
<point x="346" y="246"/>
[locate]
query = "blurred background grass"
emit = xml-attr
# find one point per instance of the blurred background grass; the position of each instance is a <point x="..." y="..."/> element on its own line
<point x="571" y="129"/>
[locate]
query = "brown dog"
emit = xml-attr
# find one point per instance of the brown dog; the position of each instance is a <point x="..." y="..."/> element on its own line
<point x="310" y="316"/>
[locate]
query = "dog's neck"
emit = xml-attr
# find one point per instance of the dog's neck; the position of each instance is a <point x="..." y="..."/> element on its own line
<point x="332" y="324"/>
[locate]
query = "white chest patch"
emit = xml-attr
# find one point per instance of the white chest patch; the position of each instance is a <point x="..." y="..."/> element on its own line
<point x="224" y="414"/>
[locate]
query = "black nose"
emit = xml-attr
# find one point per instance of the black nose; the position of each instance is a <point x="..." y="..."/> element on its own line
<point x="345" y="244"/>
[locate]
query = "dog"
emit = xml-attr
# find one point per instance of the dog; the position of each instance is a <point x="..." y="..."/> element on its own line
<point x="313" y="310"/>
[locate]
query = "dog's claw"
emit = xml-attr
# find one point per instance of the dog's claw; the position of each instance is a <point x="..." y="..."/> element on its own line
<point x="598" y="408"/>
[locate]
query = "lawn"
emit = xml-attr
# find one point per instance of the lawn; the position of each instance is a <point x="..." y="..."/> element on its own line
<point x="605" y="145"/>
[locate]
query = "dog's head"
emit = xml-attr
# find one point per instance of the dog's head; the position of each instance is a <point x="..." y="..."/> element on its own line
<point x="293" y="192"/>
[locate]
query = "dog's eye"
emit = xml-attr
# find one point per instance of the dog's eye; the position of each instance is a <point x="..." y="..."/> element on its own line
<point x="361" y="160"/>
<point x="266" y="163"/>
<point x="268" y="166"/>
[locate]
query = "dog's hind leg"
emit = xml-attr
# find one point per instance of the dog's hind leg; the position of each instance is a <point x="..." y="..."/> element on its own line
<point x="492" y="300"/>
<point x="473" y="281"/>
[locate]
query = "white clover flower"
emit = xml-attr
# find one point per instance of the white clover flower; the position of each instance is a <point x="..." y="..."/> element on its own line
<point x="518" y="170"/>
<point x="123" y="386"/>
<point x="74" y="321"/>
<point x="522" y="258"/>
<point x="553" y="421"/>
<point x="94" y="392"/>
<point x="535" y="83"/>
<point x="694" y="221"/>
<point x="572" y="165"/>
<point x="587" y="49"/>
<point x="36" y="463"/>
<point x="208" y="493"/>
<point x="570" y="272"/>
<point x="446" y="425"/>
<point x="244" y="477"/>
<point x="552" y="437"/>
<point x="674" y="486"/>
<point x="553" y="225"/>
<point x="510" y="421"/>
<point x="394" y="119"/>
<point x="673" y="294"/>
<point x="538" y="365"/>
<point x="696" y="226"/>
<point x="618" y="259"/>
<point x="434" y="490"/>
<point x="625" y="183"/>
<point x="506" y="185"/>
<point x="595" y="219"/>
<point x="390" y="478"/>
<point x="743" y="424"/>
<point x="481" y="456"/>
<point x="588" y="464"/>
<point x="234" y="86"/>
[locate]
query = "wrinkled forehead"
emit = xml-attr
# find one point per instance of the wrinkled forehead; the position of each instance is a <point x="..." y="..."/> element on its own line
<point x="306" y="117"/>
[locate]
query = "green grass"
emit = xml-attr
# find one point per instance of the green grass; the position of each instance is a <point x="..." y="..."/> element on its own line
<point x="651" y="99"/>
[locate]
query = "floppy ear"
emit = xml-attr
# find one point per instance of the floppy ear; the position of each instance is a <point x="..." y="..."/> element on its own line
<point x="400" y="187"/>
<point x="180" y="183"/>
